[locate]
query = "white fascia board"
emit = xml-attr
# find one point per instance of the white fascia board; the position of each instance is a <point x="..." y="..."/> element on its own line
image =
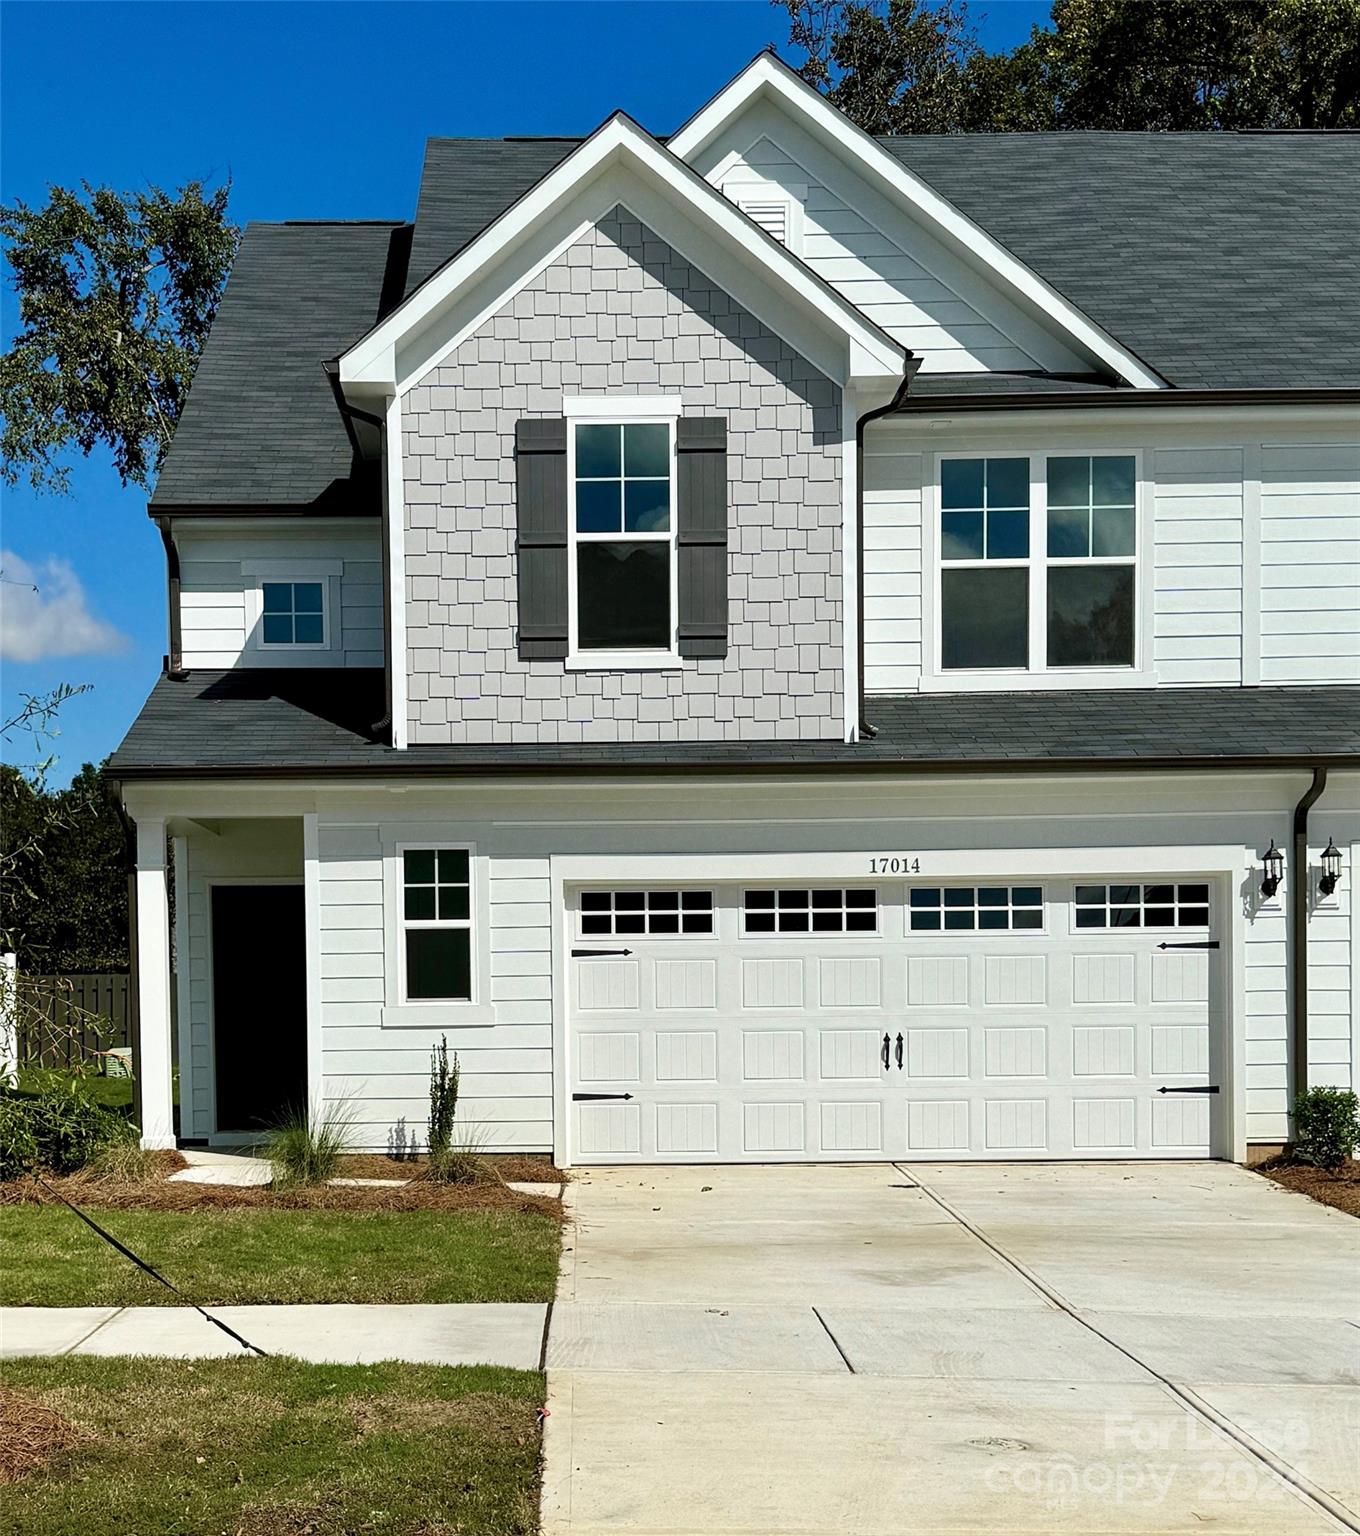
<point x="567" y="200"/>
<point x="766" y="76"/>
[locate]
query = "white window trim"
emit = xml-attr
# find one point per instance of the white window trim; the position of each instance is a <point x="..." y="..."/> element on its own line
<point x="326" y="573"/>
<point x="661" y="410"/>
<point x="935" y="678"/>
<point x="433" y="1013"/>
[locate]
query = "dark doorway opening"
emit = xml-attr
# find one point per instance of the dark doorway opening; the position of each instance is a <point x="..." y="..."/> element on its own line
<point x="259" y="949"/>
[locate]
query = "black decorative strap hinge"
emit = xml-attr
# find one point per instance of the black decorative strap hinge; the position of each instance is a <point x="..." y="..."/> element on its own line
<point x="600" y="954"/>
<point x="591" y="1097"/>
<point x="1211" y="1088"/>
<point x="1192" y="944"/>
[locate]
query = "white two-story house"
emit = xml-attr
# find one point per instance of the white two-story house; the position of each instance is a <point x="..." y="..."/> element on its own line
<point x="778" y="644"/>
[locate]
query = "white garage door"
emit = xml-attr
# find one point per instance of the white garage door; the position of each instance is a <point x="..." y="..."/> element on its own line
<point x="766" y="1023"/>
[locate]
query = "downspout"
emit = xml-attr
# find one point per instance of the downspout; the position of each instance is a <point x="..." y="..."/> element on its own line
<point x="910" y="368"/>
<point x="174" y="662"/>
<point x="1298" y="931"/>
<point x="349" y="414"/>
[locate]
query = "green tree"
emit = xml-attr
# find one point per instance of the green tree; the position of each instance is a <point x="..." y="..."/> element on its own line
<point x="903" y="66"/>
<point x="117" y="292"/>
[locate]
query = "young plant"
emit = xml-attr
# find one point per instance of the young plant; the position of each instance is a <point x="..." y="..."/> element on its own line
<point x="443" y="1097"/>
<point x="305" y="1147"/>
<point x="18" y="1148"/>
<point x="1326" y="1127"/>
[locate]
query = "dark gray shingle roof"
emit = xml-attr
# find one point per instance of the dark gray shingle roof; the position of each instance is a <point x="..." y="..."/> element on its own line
<point x="254" y="721"/>
<point x="1223" y="260"/>
<point x="261" y="424"/>
<point x="465" y="184"/>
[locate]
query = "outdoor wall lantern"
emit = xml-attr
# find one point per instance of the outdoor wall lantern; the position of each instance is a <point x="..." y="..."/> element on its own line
<point x="1272" y="870"/>
<point x="1331" y="869"/>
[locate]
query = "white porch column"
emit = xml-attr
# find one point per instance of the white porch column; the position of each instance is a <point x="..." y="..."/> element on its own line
<point x="153" y="1064"/>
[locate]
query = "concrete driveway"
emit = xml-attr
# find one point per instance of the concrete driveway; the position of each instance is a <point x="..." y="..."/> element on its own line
<point x="953" y="1349"/>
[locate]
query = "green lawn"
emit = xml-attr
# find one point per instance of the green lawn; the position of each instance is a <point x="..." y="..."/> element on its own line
<point x="111" y="1092"/>
<point x="252" y="1255"/>
<point x="277" y="1448"/>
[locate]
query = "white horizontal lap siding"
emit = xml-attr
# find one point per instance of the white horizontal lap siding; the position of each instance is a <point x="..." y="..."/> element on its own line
<point x="1197" y="564"/>
<point x="213" y="588"/>
<point x="380" y="1073"/>
<point x="906" y="292"/>
<point x="1310" y="563"/>
<point x="892" y="569"/>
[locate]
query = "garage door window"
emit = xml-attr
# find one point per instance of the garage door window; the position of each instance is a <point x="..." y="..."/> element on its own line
<point x="968" y="909"/>
<point x="1142" y="906"/>
<point x="607" y="914"/>
<point x="811" y="911"/>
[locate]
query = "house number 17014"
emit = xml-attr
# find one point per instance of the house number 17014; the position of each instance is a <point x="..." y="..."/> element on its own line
<point x="895" y="864"/>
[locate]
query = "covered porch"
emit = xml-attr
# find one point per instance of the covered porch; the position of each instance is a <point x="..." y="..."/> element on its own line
<point x="222" y="917"/>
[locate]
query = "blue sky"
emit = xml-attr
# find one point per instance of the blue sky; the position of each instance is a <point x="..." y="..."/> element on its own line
<point x="314" y="110"/>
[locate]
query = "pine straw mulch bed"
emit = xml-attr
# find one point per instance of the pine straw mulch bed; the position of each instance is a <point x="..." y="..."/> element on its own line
<point x="1340" y="1189"/>
<point x="31" y="1434"/>
<point x="156" y="1192"/>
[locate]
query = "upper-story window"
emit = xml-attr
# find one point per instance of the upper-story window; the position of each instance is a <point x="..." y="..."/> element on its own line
<point x="293" y="613"/>
<point x="1038" y="562"/>
<point x="622" y="536"/>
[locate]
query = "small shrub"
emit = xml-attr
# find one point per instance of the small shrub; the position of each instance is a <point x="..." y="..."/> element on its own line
<point x="1326" y="1127"/>
<point x="68" y="1129"/>
<point x="306" y="1148"/>
<point x="443" y="1098"/>
<point x="18" y="1149"/>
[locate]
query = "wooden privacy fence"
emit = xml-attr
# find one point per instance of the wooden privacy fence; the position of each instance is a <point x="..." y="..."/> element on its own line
<point x="65" y="1020"/>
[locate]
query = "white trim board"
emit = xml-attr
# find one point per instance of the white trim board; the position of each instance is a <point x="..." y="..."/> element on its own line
<point x="767" y="77"/>
<point x="620" y="163"/>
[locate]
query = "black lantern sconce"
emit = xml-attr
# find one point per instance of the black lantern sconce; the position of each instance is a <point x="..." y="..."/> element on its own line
<point x="1331" y="869"/>
<point x="1272" y="870"/>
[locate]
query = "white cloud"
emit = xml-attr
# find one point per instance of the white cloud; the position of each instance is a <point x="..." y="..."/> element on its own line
<point x="43" y="612"/>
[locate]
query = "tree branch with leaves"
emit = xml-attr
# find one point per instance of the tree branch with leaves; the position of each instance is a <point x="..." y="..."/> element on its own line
<point x="117" y="293"/>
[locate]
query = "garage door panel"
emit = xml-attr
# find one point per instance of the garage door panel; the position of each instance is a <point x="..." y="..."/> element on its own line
<point x="1012" y="981"/>
<point x="940" y="1053"/>
<point x="607" y="986"/>
<point x="853" y="1127"/>
<point x="609" y="1130"/>
<point x="1104" y="980"/>
<point x="1179" y="1049"/>
<point x="772" y="982"/>
<point x="687" y="1130"/>
<point x="1015" y="1050"/>
<point x="937" y="981"/>
<point x="686" y="1056"/>
<point x="1103" y="1050"/>
<point x="612" y="1056"/>
<point x="1179" y="1122"/>
<point x="772" y="1055"/>
<point x="849" y="1055"/>
<point x="777" y="1128"/>
<point x="938" y="1125"/>
<point x="1016" y="1125"/>
<point x="850" y="981"/>
<point x="1180" y="977"/>
<point x="1103" y="1125"/>
<point x="686" y="986"/>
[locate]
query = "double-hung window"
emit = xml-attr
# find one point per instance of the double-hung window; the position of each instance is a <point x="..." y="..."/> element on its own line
<point x="436" y="924"/>
<point x="1038" y="560"/>
<point x="622" y="584"/>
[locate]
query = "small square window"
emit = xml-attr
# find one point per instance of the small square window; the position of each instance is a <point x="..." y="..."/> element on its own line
<point x="292" y="613"/>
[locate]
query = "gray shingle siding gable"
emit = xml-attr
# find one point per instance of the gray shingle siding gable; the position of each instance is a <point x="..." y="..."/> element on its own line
<point x="621" y="311"/>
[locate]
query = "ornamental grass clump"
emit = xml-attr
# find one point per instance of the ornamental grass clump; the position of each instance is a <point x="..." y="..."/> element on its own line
<point x="306" y="1146"/>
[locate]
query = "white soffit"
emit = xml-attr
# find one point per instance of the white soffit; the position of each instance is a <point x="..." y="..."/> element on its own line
<point x="621" y="164"/>
<point x="767" y="78"/>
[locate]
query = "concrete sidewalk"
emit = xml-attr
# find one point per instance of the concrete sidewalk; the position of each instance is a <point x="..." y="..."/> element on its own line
<point x="489" y="1333"/>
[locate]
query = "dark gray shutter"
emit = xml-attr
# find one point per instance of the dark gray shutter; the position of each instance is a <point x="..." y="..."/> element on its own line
<point x="541" y="539"/>
<point x="701" y="534"/>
